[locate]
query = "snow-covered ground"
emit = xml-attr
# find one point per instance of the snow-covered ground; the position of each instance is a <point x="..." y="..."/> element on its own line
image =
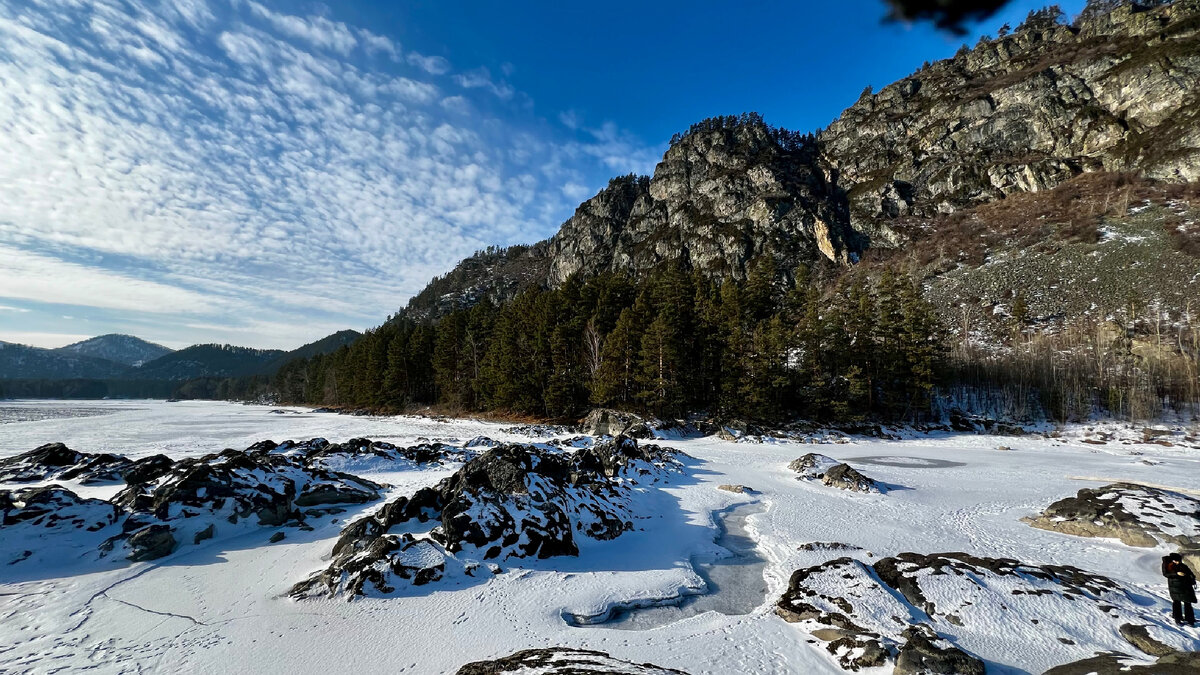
<point x="221" y="605"/>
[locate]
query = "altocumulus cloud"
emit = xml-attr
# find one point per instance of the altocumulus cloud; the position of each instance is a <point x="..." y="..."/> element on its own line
<point x="227" y="171"/>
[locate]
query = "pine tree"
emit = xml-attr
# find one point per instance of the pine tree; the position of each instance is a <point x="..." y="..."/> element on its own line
<point x="660" y="388"/>
<point x="615" y="383"/>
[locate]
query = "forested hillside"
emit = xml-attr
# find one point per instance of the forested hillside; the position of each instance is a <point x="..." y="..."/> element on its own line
<point x="671" y="343"/>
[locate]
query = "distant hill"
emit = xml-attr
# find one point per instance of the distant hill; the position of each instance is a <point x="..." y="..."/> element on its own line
<point x="123" y="349"/>
<point x="325" y="345"/>
<point x="209" y="360"/>
<point x="35" y="363"/>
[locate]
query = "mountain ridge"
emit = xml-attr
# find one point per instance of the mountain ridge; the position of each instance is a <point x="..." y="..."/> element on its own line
<point x="1026" y="111"/>
<point x="120" y="348"/>
<point x="85" y="359"/>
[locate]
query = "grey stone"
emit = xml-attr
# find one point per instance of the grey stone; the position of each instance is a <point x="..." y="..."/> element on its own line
<point x="1139" y="637"/>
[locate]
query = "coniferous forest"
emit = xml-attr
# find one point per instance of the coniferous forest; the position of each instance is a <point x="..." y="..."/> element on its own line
<point x="667" y="345"/>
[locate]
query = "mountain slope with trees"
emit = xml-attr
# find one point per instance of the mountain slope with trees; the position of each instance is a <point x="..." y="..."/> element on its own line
<point x="124" y="349"/>
<point x="1011" y="231"/>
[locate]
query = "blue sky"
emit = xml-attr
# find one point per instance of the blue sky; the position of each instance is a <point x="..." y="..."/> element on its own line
<point x="265" y="173"/>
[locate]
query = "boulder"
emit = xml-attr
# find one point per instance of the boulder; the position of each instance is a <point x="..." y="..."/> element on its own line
<point x="738" y="431"/>
<point x="148" y="469"/>
<point x="1139" y="637"/>
<point x="609" y="422"/>
<point x="1137" y="515"/>
<point x="736" y="489"/>
<point x="149" y="543"/>
<point x="206" y="533"/>
<point x="855" y="652"/>
<point x="829" y="471"/>
<point x="812" y="466"/>
<point x="926" y="653"/>
<point x="846" y="477"/>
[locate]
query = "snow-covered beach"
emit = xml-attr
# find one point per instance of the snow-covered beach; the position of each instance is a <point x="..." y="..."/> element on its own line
<point x="222" y="605"/>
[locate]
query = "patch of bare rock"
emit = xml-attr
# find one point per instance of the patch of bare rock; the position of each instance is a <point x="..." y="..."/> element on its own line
<point x="563" y="661"/>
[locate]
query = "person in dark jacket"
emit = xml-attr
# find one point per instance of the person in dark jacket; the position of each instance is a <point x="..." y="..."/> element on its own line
<point x="1181" y="582"/>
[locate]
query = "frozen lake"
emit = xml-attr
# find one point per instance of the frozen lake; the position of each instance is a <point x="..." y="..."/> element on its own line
<point x="733" y="579"/>
<point x="221" y="605"/>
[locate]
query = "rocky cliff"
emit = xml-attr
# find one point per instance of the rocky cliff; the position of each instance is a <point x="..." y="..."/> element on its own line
<point x="1118" y="90"/>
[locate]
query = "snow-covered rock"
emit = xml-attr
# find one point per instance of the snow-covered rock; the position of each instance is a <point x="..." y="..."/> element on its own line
<point x="514" y="501"/>
<point x="229" y="486"/>
<point x="361" y="454"/>
<point x="55" y="461"/>
<point x="562" y="661"/>
<point x="829" y="471"/>
<point x="1138" y="515"/>
<point x="53" y="508"/>
<point x="929" y="607"/>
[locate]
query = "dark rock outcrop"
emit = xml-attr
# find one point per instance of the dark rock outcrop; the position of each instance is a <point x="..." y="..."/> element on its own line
<point x="55" y="461"/>
<point x="927" y="652"/>
<point x="150" y="543"/>
<point x="513" y="501"/>
<point x="563" y="661"/>
<point x="148" y="469"/>
<point x="54" y="508"/>
<point x="267" y="487"/>
<point x="238" y="485"/>
<point x="318" y="452"/>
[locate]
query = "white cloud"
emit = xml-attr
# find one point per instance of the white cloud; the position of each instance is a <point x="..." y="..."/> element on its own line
<point x="40" y="339"/>
<point x="379" y="44"/>
<point x="29" y="276"/>
<point x="316" y="30"/>
<point x="208" y="163"/>
<point x="481" y="78"/>
<point x="434" y="65"/>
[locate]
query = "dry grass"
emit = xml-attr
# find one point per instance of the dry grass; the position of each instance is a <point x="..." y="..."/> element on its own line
<point x="1069" y="213"/>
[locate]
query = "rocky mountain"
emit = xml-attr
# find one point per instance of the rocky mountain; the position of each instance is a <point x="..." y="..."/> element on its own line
<point x="25" y="362"/>
<point x="209" y="360"/>
<point x="1116" y="91"/>
<point x="124" y="349"/>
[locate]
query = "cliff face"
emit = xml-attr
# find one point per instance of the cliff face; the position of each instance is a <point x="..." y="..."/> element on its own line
<point x="1117" y="91"/>
<point x="719" y="199"/>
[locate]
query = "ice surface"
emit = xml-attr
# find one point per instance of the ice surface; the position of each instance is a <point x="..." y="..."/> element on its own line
<point x="733" y="582"/>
